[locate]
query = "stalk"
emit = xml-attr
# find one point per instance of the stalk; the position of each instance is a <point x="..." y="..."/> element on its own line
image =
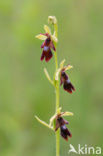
<point x="57" y="98"/>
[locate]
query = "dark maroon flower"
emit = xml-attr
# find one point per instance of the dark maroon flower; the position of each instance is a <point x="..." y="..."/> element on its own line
<point x="67" y="85"/>
<point x="60" y="123"/>
<point x="47" y="46"/>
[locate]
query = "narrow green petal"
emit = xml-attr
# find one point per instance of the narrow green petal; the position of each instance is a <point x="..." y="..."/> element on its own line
<point x="41" y="37"/>
<point x="68" y="67"/>
<point x="67" y="114"/>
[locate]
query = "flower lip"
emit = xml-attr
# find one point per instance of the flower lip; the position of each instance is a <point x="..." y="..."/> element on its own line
<point x="47" y="54"/>
<point x="65" y="133"/>
<point x="61" y="123"/>
<point x="67" y="85"/>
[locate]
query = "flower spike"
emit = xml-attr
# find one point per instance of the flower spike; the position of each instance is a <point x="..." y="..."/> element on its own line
<point x="60" y="77"/>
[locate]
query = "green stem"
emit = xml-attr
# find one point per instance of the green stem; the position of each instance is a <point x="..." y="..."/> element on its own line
<point x="57" y="99"/>
<point x="58" y="131"/>
<point x="57" y="110"/>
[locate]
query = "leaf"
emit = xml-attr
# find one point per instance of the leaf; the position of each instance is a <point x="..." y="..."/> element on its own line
<point x="47" y="29"/>
<point x="41" y="37"/>
<point x="43" y="123"/>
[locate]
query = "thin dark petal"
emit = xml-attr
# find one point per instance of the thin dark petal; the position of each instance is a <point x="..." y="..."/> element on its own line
<point x="42" y="56"/>
<point x="57" y="126"/>
<point x="66" y="122"/>
<point x="42" y="46"/>
<point x="68" y="86"/>
<point x="52" y="46"/>
<point x="61" y="81"/>
<point x="63" y="77"/>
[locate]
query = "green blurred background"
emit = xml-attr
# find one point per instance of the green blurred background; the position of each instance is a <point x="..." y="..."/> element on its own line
<point x="24" y="89"/>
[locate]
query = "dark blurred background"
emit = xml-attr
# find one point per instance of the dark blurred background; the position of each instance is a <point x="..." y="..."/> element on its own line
<point x="24" y="89"/>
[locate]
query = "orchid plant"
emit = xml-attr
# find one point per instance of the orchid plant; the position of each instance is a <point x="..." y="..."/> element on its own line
<point x="57" y="122"/>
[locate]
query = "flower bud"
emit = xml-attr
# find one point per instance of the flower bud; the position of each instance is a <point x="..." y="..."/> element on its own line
<point x="52" y="20"/>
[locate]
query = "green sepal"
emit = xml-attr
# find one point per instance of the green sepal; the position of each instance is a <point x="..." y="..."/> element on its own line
<point x="48" y="77"/>
<point x="47" y="29"/>
<point x="41" y="37"/>
<point x="43" y="122"/>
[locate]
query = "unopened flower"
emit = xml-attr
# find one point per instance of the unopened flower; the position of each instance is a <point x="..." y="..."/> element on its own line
<point x="47" y="44"/>
<point x="61" y="123"/>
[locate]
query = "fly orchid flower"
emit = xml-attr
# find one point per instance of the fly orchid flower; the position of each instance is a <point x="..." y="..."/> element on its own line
<point x="67" y="85"/>
<point x="48" y="43"/>
<point x="64" y="79"/>
<point x="61" y="123"/>
<point x="58" y="122"/>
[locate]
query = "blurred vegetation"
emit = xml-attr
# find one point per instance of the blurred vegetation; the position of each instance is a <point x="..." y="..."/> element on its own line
<point x="24" y="89"/>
